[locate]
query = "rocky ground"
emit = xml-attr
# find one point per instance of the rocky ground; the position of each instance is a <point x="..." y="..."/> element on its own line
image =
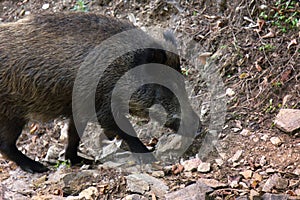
<point x="251" y="46"/>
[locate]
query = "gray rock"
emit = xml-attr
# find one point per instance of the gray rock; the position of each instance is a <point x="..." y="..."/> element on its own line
<point x="269" y="196"/>
<point x="136" y="184"/>
<point x="141" y="183"/>
<point x="135" y="197"/>
<point x="276" y="141"/>
<point x="212" y="183"/>
<point x="171" y="146"/>
<point x="275" y="181"/>
<point x="204" y="167"/>
<point x="192" y="164"/>
<point x="88" y="194"/>
<point x="236" y="156"/>
<point x="195" y="191"/>
<point x="75" y="182"/>
<point x="288" y="120"/>
<point x="53" y="153"/>
<point x="158" y="174"/>
<point x="242" y="198"/>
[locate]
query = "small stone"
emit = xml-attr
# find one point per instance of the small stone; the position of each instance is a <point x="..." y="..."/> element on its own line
<point x="89" y="193"/>
<point x="297" y="192"/>
<point x="219" y="161"/>
<point x="193" y="192"/>
<point x="27" y="12"/>
<point x="297" y="171"/>
<point x="141" y="183"/>
<point x="236" y="156"/>
<point x="204" y="167"/>
<point x="245" y="132"/>
<point x="264" y="137"/>
<point x="270" y="170"/>
<point x="235" y="130"/>
<point x="137" y="185"/>
<point x="263" y="7"/>
<point x="230" y="92"/>
<point x="276" y="141"/>
<point x="257" y="177"/>
<point x="235" y="164"/>
<point x="253" y="194"/>
<point x="255" y="139"/>
<point x="134" y="197"/>
<point x="212" y="183"/>
<point x="241" y="198"/>
<point x="191" y="165"/>
<point x="45" y="6"/>
<point x="275" y="181"/>
<point x="269" y="196"/>
<point x="244" y="185"/>
<point x="288" y="120"/>
<point x="234" y="184"/>
<point x="247" y="174"/>
<point x="263" y="161"/>
<point x="158" y="174"/>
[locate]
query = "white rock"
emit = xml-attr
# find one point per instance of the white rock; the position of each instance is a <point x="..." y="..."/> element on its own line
<point x="45" y="6"/>
<point x="245" y="132"/>
<point x="230" y="92"/>
<point x="204" y="167"/>
<point x="236" y="156"/>
<point x="276" y="141"/>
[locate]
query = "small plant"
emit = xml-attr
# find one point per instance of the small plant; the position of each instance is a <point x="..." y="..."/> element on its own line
<point x="185" y="71"/>
<point x="60" y="163"/>
<point x="277" y="84"/>
<point x="267" y="48"/>
<point x="271" y="108"/>
<point x="81" y="5"/>
<point x="263" y="15"/>
<point x="285" y="15"/>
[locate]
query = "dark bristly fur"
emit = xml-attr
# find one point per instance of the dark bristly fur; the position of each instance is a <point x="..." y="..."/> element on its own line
<point x="39" y="58"/>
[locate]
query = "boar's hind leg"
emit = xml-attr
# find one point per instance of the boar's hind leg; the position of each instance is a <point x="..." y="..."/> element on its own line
<point x="10" y="130"/>
<point x="73" y="143"/>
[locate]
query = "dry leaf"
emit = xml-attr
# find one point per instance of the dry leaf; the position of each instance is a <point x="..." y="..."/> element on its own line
<point x="286" y="98"/>
<point x="269" y="35"/>
<point x="292" y="42"/>
<point x="285" y="75"/>
<point x="33" y="128"/>
<point x="243" y="75"/>
<point x="204" y="56"/>
<point x="260" y="23"/>
<point x="257" y="66"/>
<point x="177" y="169"/>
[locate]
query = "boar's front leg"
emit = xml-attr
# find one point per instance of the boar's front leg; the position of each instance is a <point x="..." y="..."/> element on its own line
<point x="72" y="147"/>
<point x="134" y="143"/>
<point x="10" y="130"/>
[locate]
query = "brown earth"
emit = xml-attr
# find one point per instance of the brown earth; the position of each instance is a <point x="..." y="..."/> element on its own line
<point x="258" y="58"/>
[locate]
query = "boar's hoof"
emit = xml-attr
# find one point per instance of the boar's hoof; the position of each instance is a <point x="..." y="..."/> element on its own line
<point x="33" y="166"/>
<point x="80" y="160"/>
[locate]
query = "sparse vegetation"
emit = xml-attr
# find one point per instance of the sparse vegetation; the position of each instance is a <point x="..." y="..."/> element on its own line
<point x="81" y="5"/>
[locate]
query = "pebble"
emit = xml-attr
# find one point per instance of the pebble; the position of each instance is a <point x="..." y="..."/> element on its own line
<point x="236" y="156"/>
<point x="245" y="132"/>
<point x="247" y="174"/>
<point x="276" y="141"/>
<point x="203" y="167"/>
<point x="230" y="92"/>
<point x="45" y="6"/>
